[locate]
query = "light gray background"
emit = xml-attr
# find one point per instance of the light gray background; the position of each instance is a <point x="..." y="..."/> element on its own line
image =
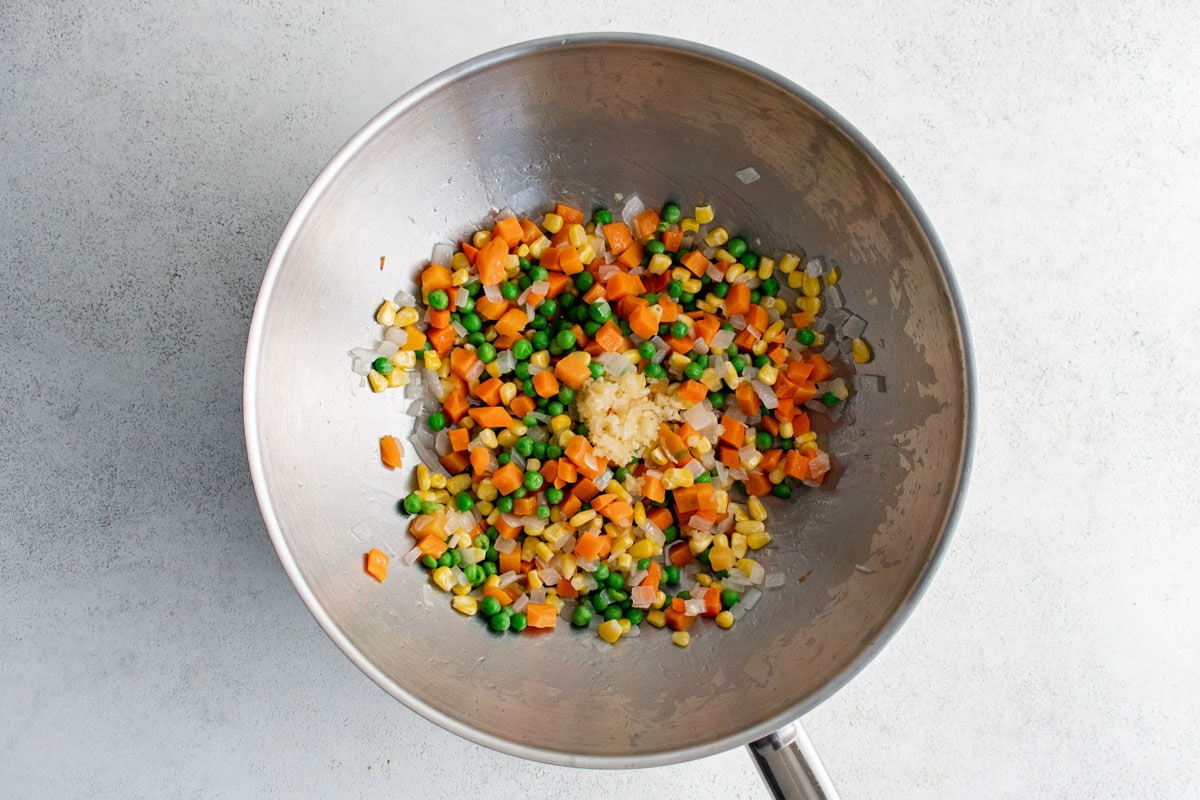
<point x="150" y="154"/>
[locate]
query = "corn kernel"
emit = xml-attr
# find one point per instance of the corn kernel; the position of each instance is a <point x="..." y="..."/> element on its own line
<point x="614" y="487"/>
<point x="643" y="548"/>
<point x="518" y="429"/>
<point x="678" y="361"/>
<point x="704" y="579"/>
<point x="726" y="256"/>
<point x="432" y="360"/>
<point x="776" y="475"/>
<point x="443" y="578"/>
<point x="527" y="552"/>
<point x="766" y="267"/>
<point x="552" y="222"/>
<point x="626" y="625"/>
<point x="656" y="618"/>
<point x="583" y="518"/>
<point x="506" y="438"/>
<point x="378" y="382"/>
<point x="739" y="546"/>
<point x="484" y="507"/>
<point x="768" y="374"/>
<point x="810" y="286"/>
<point x="722" y="498"/>
<point x="460" y="589"/>
<point x="587" y="254"/>
<point x="689" y="224"/>
<point x="560" y="423"/>
<point x="681" y="638"/>
<point x="437" y="480"/>
<point x="724" y="620"/>
<point x="810" y="304"/>
<point x="720" y="540"/>
<point x="676" y="478"/>
<point x="540" y="359"/>
<point x="576" y="235"/>
<point x="731" y="377"/>
<point x="660" y="599"/>
<point x="704" y="214"/>
<point x="692" y="285"/>
<point x="658" y="456"/>
<point x="700" y="542"/>
<point x="543" y="551"/>
<point x="621" y="541"/>
<point x="681" y="274"/>
<point x="833" y="277"/>
<point x="522" y="250"/>
<point x="538" y="247"/>
<point x="465" y="604"/>
<point x="625" y="562"/>
<point x="860" y="351"/>
<point x="423" y="479"/>
<point x="756" y="509"/>
<point x="795" y="280"/>
<point x="533" y="465"/>
<point x="716" y="237"/>
<point x="481" y="238"/>
<point x="758" y="540"/>
<point x="659" y="263"/>
<point x="734" y="272"/>
<point x="788" y="263"/>
<point x="459" y="261"/>
<point x="609" y="630"/>
<point x="569" y="565"/>
<point x="786" y="429"/>
<point x="397" y="378"/>
<point x="459" y="483"/>
<point x="749" y="526"/>
<point x="639" y="513"/>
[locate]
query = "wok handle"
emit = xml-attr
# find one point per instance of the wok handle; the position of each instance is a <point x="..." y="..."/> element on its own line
<point x="790" y="766"/>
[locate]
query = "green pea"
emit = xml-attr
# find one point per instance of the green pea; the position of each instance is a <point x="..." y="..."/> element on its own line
<point x="684" y="595"/>
<point x="539" y="274"/>
<point x="646" y="350"/>
<point x="760" y="361"/>
<point x="476" y="339"/>
<point x="444" y="560"/>
<point x="613" y="612"/>
<point x="717" y="399"/>
<point x="581" y="616"/>
<point x="464" y="501"/>
<point x="489" y="606"/>
<point x="671" y="213"/>
<point x="721" y="289"/>
<point x="528" y="387"/>
<point x="643" y="563"/>
<point x="543" y="511"/>
<point x="548" y="308"/>
<point x="489" y="566"/>
<point x="519" y="621"/>
<point x="615" y="580"/>
<point x="739" y="363"/>
<point x="655" y="371"/>
<point x="755" y="295"/>
<point x="509" y="290"/>
<point x="805" y="336"/>
<point x="679" y="329"/>
<point x="635" y="616"/>
<point x="597" y="370"/>
<point x="671" y="533"/>
<point x="620" y="473"/>
<point x="505" y="504"/>
<point x="533" y="481"/>
<point x="492" y="533"/>
<point x="829" y="399"/>
<point x="467" y="305"/>
<point x="553" y="451"/>
<point x="519" y="492"/>
<point x="455" y="557"/>
<point x="472" y="322"/>
<point x="655" y="247"/>
<point x="486" y="352"/>
<point x="429" y="562"/>
<point x="555" y="407"/>
<point x="693" y="371"/>
<point x="786" y="444"/>
<point x="600" y="602"/>
<point x="750" y="261"/>
<point x="539" y="324"/>
<point x="703" y="477"/>
<point x="601" y="573"/>
<point x="524" y="263"/>
<point x="382" y="365"/>
<point x="736" y="247"/>
<point x="566" y="395"/>
<point x="500" y="622"/>
<point x="584" y="281"/>
<point x="781" y="490"/>
<point x="503" y="458"/>
<point x="437" y="421"/>
<point x="472" y="572"/>
<point x="770" y="287"/>
<point x="412" y="503"/>
<point x="763" y="440"/>
<point x="524" y="282"/>
<point x="474" y="289"/>
<point x="540" y="340"/>
<point x="439" y="299"/>
<point x="554" y="495"/>
<point x="601" y="311"/>
<point x="671" y="573"/>
<point x="539" y="450"/>
<point x="565" y="339"/>
<point x="524" y="446"/>
<point x="601" y="216"/>
<point x="674" y="289"/>
<point x="687" y="298"/>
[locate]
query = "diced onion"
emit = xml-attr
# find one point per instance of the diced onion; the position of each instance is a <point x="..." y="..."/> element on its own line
<point x="492" y="292"/>
<point x="722" y="340"/>
<point x="747" y="175"/>
<point x="633" y="207"/>
<point x="503" y="545"/>
<point x="519" y="604"/>
<point x="766" y="394"/>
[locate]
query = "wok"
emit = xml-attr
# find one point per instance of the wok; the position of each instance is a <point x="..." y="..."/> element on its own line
<point x="578" y="119"/>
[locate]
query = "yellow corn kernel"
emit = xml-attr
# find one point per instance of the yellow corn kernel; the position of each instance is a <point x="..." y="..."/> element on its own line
<point x="534" y="580"/>
<point x="759" y="347"/>
<point x="428" y="496"/>
<point x="795" y="280"/>
<point x="378" y="382"/>
<point x="587" y="254"/>
<point x="731" y="377"/>
<point x="659" y="263"/>
<point x="559" y="423"/>
<point x="459" y="483"/>
<point x="533" y="465"/>
<point x="540" y="359"/>
<point x="465" y="604"/>
<point x="833" y="277"/>
<point x="494" y="580"/>
<point x="556" y="601"/>
<point x="726" y="256"/>
<point x="788" y="263"/>
<point x="643" y="548"/>
<point x="609" y="630"/>
<point x="538" y="247"/>
<point x="639" y="513"/>
<point x="716" y="237"/>
<point x="423" y="480"/>
<point x="432" y="360"/>
<point x="405" y="359"/>
<point x="576" y="235"/>
<point x="804" y="438"/>
<point x="860" y="351"/>
<point x="543" y="551"/>
<point x="681" y="274"/>
<point x="739" y="546"/>
<point x="692" y="285"/>
<point x="660" y="599"/>
<point x="786" y="430"/>
<point x="583" y="518"/>
<point x="773" y="330"/>
<point x="749" y="526"/>
<point x="700" y="542"/>
<point x="441" y="495"/>
<point x="776" y="475"/>
<point x="722" y="498"/>
<point x="810" y="286"/>
<point x="565" y="437"/>
<point x="720" y="540"/>
<point x="492" y="369"/>
<point x="527" y="553"/>
<point x="569" y="565"/>
<point x="459" y="261"/>
<point x="512" y="263"/>
<point x="676" y="478"/>
<point x="810" y="304"/>
<point x="481" y="238"/>
<point x="704" y="305"/>
<point x="405" y="317"/>
<point x="656" y="618"/>
<point x="768" y="374"/>
<point x="580" y="582"/>
<point x="756" y="509"/>
<point x="522" y="250"/>
<point x="758" y="540"/>
<point x="460" y="589"/>
<point x="621" y="541"/>
<point x="486" y="490"/>
<point x="397" y="378"/>
<point x="689" y="224"/>
<point x="615" y="487"/>
<point x="625" y="624"/>
<point x="678" y="361"/>
<point x="443" y="578"/>
<point x="766" y="266"/>
<point x="779" y="304"/>
<point x="460" y="277"/>
<point x="518" y="429"/>
<point x="734" y="272"/>
<point x="552" y="222"/>
<point x="625" y="562"/>
<point x="506" y="438"/>
<point x="386" y="313"/>
<point x="703" y="214"/>
<point x="681" y="638"/>
<point x="437" y="480"/>
<point x="704" y="579"/>
<point x="724" y="620"/>
<point x="484" y="507"/>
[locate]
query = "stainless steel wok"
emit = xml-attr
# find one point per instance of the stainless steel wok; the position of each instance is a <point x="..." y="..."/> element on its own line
<point x="577" y="119"/>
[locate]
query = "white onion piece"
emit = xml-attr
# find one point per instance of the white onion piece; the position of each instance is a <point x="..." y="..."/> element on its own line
<point x="835" y="297"/>
<point x="475" y="371"/>
<point x="538" y="595"/>
<point x="549" y="575"/>
<point x="766" y="394"/>
<point x="714" y="272"/>
<point x="518" y="459"/>
<point x="699" y="523"/>
<point x="606" y="271"/>
<point x="603" y="478"/>
<point x="636" y="578"/>
<point x="519" y="604"/>
<point x="461" y="297"/>
<point x="508" y="579"/>
<point x="505" y="361"/>
<point x="751" y="598"/>
<point x="816" y="405"/>
<point x="459" y="330"/>
<point x="700" y="416"/>
<point x="413" y="556"/>
<point x="747" y="175"/>
<point x="427" y="594"/>
<point x="633" y="207"/>
<point x="360" y="366"/>
<point x="738" y="322"/>
<point x="404" y="299"/>
<point x="492" y="292"/>
<point x="722" y="340"/>
<point x="831" y="351"/>
<point x="709" y="252"/>
<point x="774" y="580"/>
<point x="694" y="607"/>
<point x="387" y="349"/>
<point x="398" y="336"/>
<point x="442" y="253"/>
<point x="814" y="268"/>
<point x="503" y="545"/>
<point x="441" y="442"/>
<point x="586" y="564"/>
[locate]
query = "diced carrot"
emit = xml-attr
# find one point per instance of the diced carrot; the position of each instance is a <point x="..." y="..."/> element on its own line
<point x="416" y="338"/>
<point x="646" y="223"/>
<point x="549" y="471"/>
<point x="778" y="356"/>
<point x="593" y="294"/>
<point x="512" y="323"/>
<point x="770" y="459"/>
<point x="805" y="391"/>
<point x="603" y="501"/>
<point x="545" y="384"/>
<point x="439" y="319"/>
<point x="490" y="262"/>
<point x="606" y="543"/>
<point x="706" y="328"/>
<point x="565" y="589"/>
<point x="680" y="554"/>
<point x="757" y="484"/>
<point x="770" y="424"/>
<point x="712" y="598"/>
<point x="567" y="472"/>
<point x="489" y="309"/>
<point x="428" y="524"/>
<point x="489" y="391"/>
<point x="677" y="620"/>
<point x="435" y="276"/>
<point x="801" y="423"/>
<point x="560" y="238"/>
<point x="653" y="575"/>
<point x="558" y="283"/>
<point x="507" y="531"/>
<point x="620" y="512"/>
<point x="461" y="361"/>
<point x="729" y="456"/>
<point x="441" y="339"/>
<point x="609" y="337"/>
<point x="525" y="506"/>
<point x="571" y="370"/>
<point x="568" y="261"/>
<point x="652" y="489"/>
<point x="491" y="416"/>
<point x="570" y="216"/>
<point x="800" y="371"/>
<point x="530" y="232"/>
<point x="691" y="392"/>
<point x="585" y="490"/>
<point x="756" y="317"/>
<point x="588" y="546"/>
<point x="680" y="344"/>
<point x="541" y="615"/>
<point x="738" y="300"/>
<point x="470" y="251"/>
<point x="822" y="369"/>
<point x="522" y="404"/>
<point x="510" y="230"/>
<point x="745" y="339"/>
<point x="661" y="517"/>
<point x="502" y="597"/>
<point x="672" y="240"/>
<point x="623" y="285"/>
<point x="747" y="399"/>
<point x="507" y="478"/>
<point x="698" y="264"/>
<point x="643" y="322"/>
<point x="619" y="237"/>
<point x="377" y="564"/>
<point x="673" y="443"/>
<point x="706" y="496"/>
<point x="795" y="465"/>
<point x="686" y="498"/>
<point x="389" y="452"/>
<point x="632" y="257"/>
<point x="785" y="411"/>
<point x="579" y="450"/>
<point x="802" y="319"/>
<point x="570" y="506"/>
<point x="454" y="463"/>
<point x="459" y="439"/>
<point x="670" y="309"/>
<point x="733" y="432"/>
<point x="432" y="545"/>
<point x="455" y="405"/>
<point x="479" y="459"/>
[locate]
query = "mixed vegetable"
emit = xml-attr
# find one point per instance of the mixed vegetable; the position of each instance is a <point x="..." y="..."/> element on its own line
<point x="611" y="399"/>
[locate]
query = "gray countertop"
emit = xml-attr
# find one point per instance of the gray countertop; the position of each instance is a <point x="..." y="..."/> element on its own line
<point x="151" y="644"/>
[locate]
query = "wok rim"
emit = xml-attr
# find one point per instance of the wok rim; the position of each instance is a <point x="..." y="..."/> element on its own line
<point x="258" y="475"/>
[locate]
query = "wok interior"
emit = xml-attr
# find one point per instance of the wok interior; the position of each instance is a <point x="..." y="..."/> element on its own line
<point x="578" y="123"/>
